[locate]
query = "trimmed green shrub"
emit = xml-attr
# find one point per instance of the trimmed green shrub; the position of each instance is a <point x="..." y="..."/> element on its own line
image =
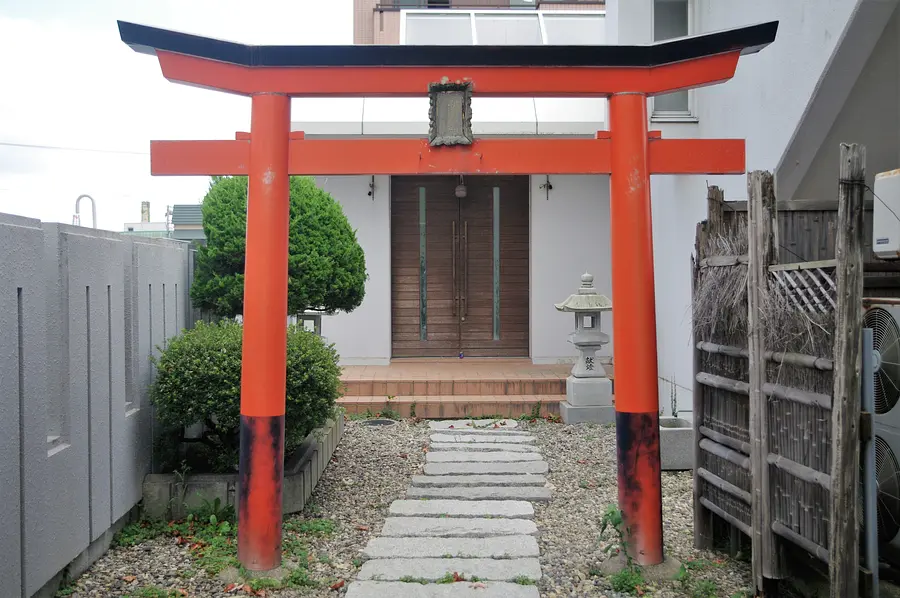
<point x="326" y="264"/>
<point x="199" y="381"/>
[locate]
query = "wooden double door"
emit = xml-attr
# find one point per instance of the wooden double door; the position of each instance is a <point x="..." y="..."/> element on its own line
<point x="459" y="266"/>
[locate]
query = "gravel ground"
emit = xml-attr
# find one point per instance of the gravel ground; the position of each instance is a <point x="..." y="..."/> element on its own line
<point x="583" y="476"/>
<point x="373" y="466"/>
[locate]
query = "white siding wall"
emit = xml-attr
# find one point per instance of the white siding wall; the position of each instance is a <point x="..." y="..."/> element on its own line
<point x="364" y="335"/>
<point x="762" y="104"/>
<point x="569" y="236"/>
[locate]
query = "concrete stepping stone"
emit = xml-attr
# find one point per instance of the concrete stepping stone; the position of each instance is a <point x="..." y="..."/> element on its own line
<point x="476" y="438"/>
<point x="445" y="424"/>
<point x="482" y="493"/>
<point x="479" y="457"/>
<point x="456" y="527"/>
<point x="483" y="446"/>
<point x="509" y="467"/>
<point x="483" y="432"/>
<point x="501" y="547"/>
<point x="463" y="589"/>
<point x="435" y="569"/>
<point x="479" y="480"/>
<point x="462" y="508"/>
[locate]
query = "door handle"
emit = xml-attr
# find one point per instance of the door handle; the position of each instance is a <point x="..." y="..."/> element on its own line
<point x="453" y="257"/>
<point x="465" y="280"/>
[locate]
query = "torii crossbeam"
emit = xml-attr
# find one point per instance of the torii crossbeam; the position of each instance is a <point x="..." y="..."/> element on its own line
<point x="271" y="75"/>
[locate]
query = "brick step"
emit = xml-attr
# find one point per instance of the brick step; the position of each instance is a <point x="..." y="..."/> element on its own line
<point x="403" y="389"/>
<point x="454" y="406"/>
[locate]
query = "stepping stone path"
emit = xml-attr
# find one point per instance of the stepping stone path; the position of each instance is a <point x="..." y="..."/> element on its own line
<point x="470" y="516"/>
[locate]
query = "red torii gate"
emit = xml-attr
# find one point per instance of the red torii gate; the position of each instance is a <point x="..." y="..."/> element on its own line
<point x="271" y="75"/>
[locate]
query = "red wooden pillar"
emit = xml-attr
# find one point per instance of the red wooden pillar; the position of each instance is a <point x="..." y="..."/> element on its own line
<point x="263" y="367"/>
<point x="634" y="328"/>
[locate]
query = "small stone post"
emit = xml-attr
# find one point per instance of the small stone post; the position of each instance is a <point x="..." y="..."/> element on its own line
<point x="588" y="390"/>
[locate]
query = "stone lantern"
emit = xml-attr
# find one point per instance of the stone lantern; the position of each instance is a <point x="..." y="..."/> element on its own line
<point x="588" y="390"/>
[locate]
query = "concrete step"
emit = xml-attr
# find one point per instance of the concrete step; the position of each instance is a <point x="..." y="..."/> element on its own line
<point x="454" y="406"/>
<point x="462" y="508"/>
<point x="456" y="527"/>
<point x="398" y="589"/>
<point x="477" y="424"/>
<point x="482" y="493"/>
<point x="479" y="480"/>
<point x="435" y="569"/>
<point x="483" y="446"/>
<point x="500" y="547"/>
<point x="508" y="467"/>
<point x="478" y="457"/>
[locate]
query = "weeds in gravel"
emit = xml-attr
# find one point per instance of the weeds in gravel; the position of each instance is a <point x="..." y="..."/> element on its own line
<point x="629" y="580"/>
<point x="153" y="592"/>
<point x="705" y="589"/>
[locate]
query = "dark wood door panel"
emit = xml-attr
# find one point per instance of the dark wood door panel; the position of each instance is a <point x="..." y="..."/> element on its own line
<point x="480" y="324"/>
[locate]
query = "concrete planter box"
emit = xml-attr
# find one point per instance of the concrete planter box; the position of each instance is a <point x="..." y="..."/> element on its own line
<point x="168" y="496"/>
<point x="676" y="444"/>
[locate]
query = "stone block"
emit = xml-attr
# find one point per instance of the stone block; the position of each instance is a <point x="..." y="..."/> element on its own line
<point x="479" y="480"/>
<point x="478" y="457"/>
<point x="456" y="527"/>
<point x="483" y="438"/>
<point x="597" y="414"/>
<point x="483" y="446"/>
<point x="482" y="431"/>
<point x="502" y="547"/>
<point x="435" y="569"/>
<point x="676" y="444"/>
<point x="589" y="392"/>
<point x="398" y="589"/>
<point x="482" y="492"/>
<point x="462" y="508"/>
<point x="508" y="467"/>
<point x="445" y="424"/>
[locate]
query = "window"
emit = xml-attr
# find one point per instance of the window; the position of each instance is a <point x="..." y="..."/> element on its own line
<point x="502" y="28"/>
<point x="671" y="19"/>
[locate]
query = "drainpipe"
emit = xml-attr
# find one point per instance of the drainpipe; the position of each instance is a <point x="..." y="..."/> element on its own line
<point x="77" y="219"/>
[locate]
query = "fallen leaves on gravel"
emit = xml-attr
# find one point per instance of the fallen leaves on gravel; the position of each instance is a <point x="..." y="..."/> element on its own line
<point x="338" y="585"/>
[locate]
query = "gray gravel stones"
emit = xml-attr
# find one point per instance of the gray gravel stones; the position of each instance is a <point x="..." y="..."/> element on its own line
<point x="479" y="480"/>
<point x="462" y="508"/>
<point x="443" y="527"/>
<point x="482" y="492"/>
<point x="379" y="589"/>
<point x="435" y="569"/>
<point x="508" y="467"/>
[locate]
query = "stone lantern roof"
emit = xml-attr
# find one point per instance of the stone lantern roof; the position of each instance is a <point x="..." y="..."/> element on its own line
<point x="587" y="299"/>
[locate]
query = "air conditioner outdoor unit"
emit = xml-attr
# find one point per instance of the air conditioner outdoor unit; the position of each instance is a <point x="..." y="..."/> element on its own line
<point x="886" y="216"/>
<point x="884" y="320"/>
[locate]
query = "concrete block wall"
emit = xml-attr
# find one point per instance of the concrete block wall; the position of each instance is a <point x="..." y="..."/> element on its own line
<point x="81" y="311"/>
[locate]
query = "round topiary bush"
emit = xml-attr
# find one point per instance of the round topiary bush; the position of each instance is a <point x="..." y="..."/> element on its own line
<point x="199" y="381"/>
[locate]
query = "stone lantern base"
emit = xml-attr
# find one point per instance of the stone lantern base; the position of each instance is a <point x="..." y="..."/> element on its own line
<point x="588" y="400"/>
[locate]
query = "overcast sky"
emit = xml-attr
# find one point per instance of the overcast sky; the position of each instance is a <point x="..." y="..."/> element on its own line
<point x="67" y="81"/>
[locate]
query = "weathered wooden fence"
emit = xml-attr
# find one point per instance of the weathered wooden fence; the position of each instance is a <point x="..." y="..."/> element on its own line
<point x="765" y="375"/>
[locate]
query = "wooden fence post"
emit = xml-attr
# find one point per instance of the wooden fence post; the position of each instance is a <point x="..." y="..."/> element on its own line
<point x="703" y="522"/>
<point x="843" y="546"/>
<point x="762" y="254"/>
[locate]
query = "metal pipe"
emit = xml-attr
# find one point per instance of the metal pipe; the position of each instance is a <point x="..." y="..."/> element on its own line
<point x="870" y="486"/>
<point x="93" y="210"/>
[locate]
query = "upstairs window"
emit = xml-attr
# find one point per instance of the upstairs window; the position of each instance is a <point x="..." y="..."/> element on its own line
<point x="671" y="19"/>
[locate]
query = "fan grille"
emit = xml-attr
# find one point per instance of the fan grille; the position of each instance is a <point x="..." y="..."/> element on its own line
<point x="887" y="480"/>
<point x="886" y="336"/>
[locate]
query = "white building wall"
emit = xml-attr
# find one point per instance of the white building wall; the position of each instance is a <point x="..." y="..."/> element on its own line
<point x="364" y="335"/>
<point x="763" y="104"/>
<point x="569" y="236"/>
